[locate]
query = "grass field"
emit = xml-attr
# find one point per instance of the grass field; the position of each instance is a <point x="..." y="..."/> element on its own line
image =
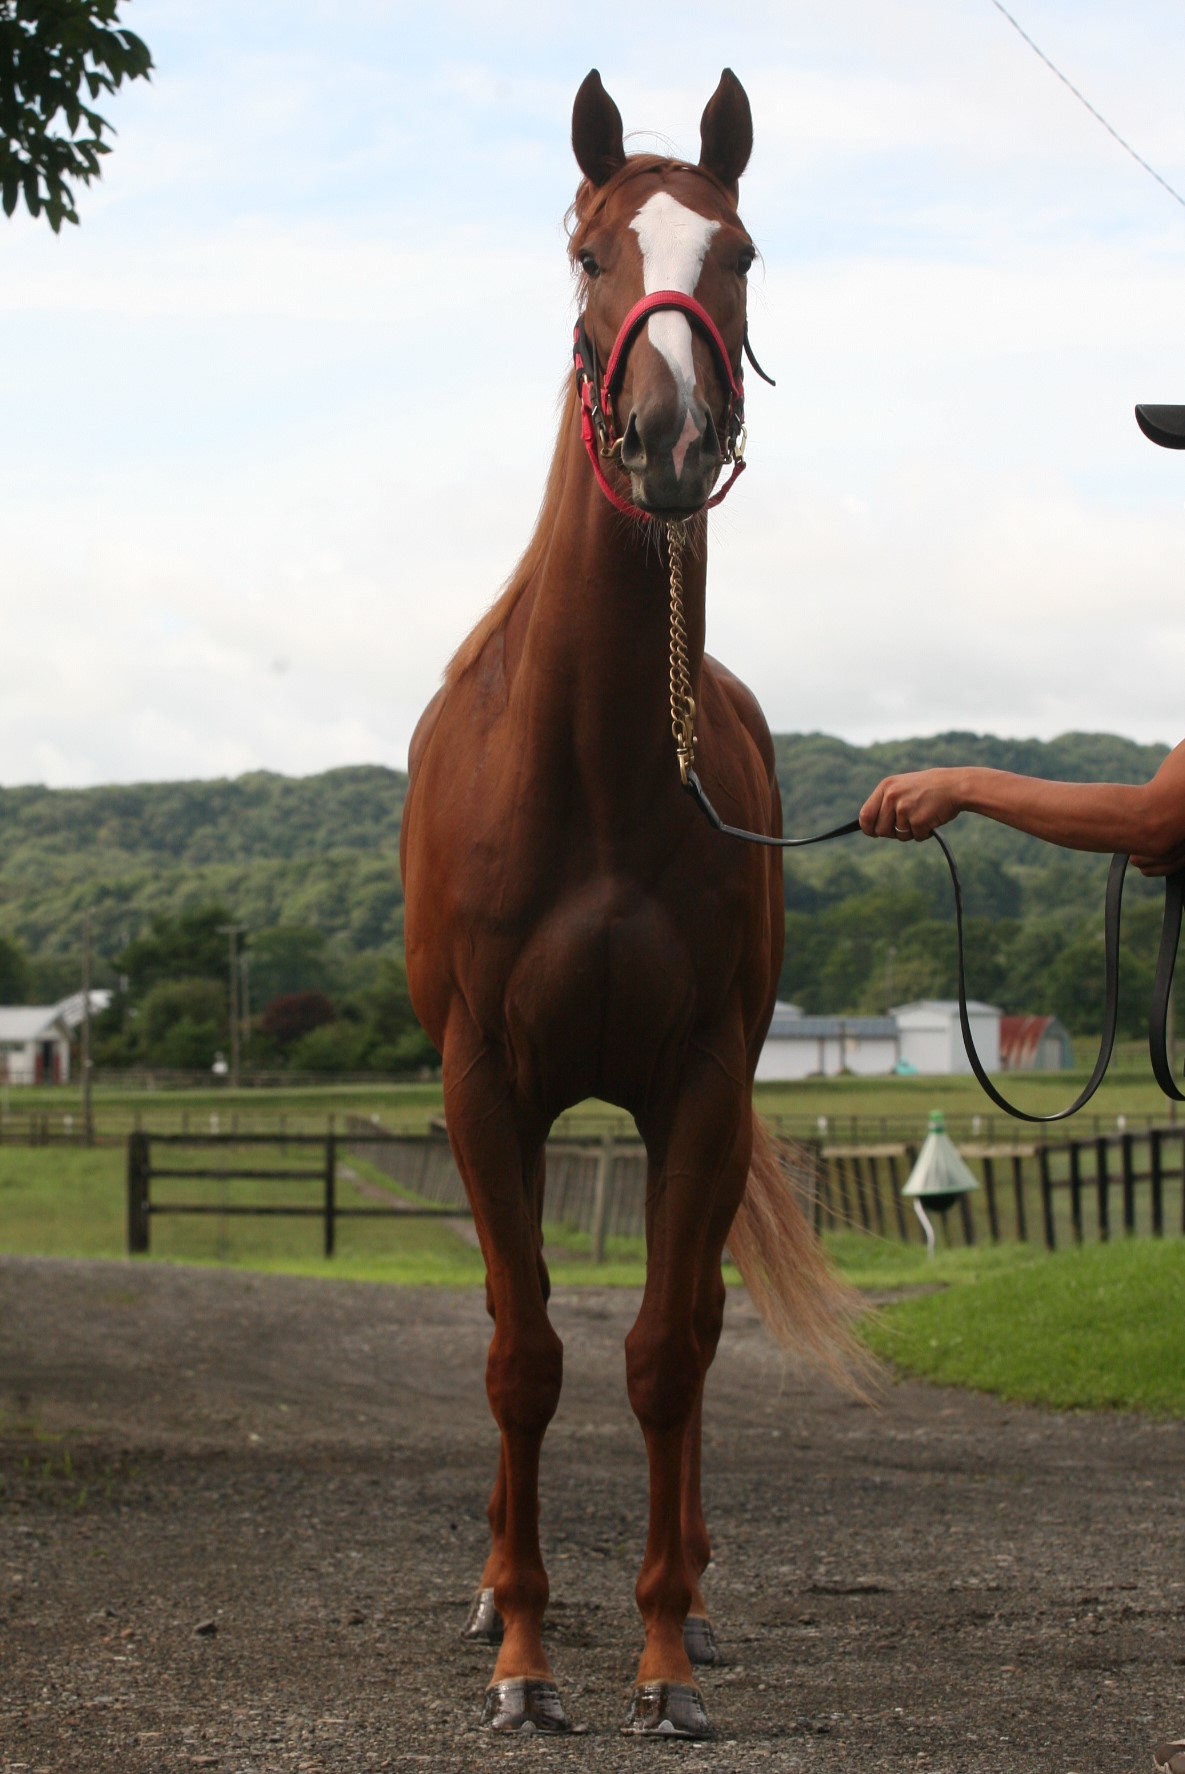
<point x="1098" y="1328"/>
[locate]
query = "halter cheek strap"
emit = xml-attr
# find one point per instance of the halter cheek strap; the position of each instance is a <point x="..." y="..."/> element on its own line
<point x="597" y="396"/>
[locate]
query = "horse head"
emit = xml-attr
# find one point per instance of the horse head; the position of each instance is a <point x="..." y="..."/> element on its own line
<point x="663" y="257"/>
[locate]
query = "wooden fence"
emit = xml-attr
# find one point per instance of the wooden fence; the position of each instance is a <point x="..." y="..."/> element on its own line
<point x="1054" y="1192"/>
<point x="594" y="1186"/>
<point x="144" y="1168"/>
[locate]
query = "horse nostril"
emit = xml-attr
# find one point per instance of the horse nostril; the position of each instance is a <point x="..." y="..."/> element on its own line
<point x="710" y="442"/>
<point x="633" y="451"/>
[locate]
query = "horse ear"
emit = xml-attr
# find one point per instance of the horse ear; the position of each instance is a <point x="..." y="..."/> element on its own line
<point x="726" y="132"/>
<point x="596" y="131"/>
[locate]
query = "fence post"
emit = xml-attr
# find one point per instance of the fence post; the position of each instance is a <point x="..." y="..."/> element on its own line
<point x="1157" y="1177"/>
<point x="1129" y="1184"/>
<point x="139" y="1183"/>
<point x="1018" y="1190"/>
<point x="877" y="1204"/>
<point x="1102" y="1187"/>
<point x="845" y="1205"/>
<point x="330" y="1190"/>
<point x="600" y="1211"/>
<point x="1046" y="1196"/>
<point x="968" y="1222"/>
<point x="989" y="1189"/>
<point x="895" y="1191"/>
<point x="858" y="1180"/>
<point x="1075" y="1151"/>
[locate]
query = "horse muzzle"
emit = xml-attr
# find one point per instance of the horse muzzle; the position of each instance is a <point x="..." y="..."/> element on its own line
<point x="673" y="457"/>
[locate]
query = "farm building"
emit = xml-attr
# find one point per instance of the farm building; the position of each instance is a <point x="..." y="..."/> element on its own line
<point x="922" y="1037"/>
<point x="799" y="1046"/>
<point x="932" y="1041"/>
<point x="1034" y="1044"/>
<point x="34" y="1045"/>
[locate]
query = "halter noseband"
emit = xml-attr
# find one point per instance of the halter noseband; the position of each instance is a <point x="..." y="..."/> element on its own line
<point x="596" y="401"/>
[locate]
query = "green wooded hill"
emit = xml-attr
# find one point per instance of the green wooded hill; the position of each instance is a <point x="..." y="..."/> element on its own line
<point x="866" y="921"/>
<point x="277" y="850"/>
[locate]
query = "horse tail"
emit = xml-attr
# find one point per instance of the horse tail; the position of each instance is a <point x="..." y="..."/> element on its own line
<point x="805" y="1306"/>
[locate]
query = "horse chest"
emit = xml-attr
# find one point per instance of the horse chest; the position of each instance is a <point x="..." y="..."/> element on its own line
<point x="607" y="979"/>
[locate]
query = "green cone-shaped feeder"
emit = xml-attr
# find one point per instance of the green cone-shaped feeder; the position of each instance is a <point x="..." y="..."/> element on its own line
<point x="938" y="1178"/>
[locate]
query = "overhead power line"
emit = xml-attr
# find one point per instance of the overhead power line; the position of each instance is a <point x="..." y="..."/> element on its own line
<point x="1083" y="100"/>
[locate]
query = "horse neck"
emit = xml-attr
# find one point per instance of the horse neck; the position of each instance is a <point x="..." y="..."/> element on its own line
<point x="597" y="637"/>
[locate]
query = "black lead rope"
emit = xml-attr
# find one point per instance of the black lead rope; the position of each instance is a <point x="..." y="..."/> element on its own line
<point x="1166" y="960"/>
<point x="1174" y="897"/>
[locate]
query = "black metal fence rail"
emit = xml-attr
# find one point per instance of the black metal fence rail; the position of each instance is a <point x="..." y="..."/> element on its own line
<point x="1057" y="1193"/>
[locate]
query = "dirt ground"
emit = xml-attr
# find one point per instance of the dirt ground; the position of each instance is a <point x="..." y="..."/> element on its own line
<point x="250" y="1545"/>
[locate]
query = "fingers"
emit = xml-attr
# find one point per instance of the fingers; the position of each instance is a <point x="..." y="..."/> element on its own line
<point x="884" y="816"/>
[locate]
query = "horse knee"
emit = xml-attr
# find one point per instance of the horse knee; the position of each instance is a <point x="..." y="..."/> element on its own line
<point x="524" y="1373"/>
<point x="663" y="1376"/>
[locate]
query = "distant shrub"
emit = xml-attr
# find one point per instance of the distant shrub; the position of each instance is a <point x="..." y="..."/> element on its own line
<point x="293" y="1015"/>
<point x="182" y="1016"/>
<point x="334" y="1047"/>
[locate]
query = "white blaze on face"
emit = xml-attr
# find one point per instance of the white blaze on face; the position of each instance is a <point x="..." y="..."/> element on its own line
<point x="674" y="242"/>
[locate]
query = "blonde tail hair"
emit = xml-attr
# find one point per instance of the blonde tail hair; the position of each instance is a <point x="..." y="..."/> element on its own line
<point x="805" y="1306"/>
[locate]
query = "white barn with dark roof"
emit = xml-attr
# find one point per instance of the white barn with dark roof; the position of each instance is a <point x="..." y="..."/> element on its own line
<point x="799" y="1046"/>
<point x="34" y="1045"/>
<point x="923" y="1037"/>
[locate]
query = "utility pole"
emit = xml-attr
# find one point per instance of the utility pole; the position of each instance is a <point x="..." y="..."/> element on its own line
<point x="232" y="932"/>
<point x="245" y="995"/>
<point x="88" y="1124"/>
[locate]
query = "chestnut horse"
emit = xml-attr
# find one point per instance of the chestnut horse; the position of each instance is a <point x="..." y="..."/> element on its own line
<point x="575" y="928"/>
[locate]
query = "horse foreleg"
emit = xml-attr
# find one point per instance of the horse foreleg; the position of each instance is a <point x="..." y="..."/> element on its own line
<point x="699" y="1181"/>
<point x="500" y="1162"/>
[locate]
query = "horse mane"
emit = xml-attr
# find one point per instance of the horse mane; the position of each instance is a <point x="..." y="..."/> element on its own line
<point x="500" y="611"/>
<point x="587" y="205"/>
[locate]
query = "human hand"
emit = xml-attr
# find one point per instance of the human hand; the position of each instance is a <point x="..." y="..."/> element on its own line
<point x="911" y="806"/>
<point x="1161" y="865"/>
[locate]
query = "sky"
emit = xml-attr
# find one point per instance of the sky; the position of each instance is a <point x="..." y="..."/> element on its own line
<point x="277" y="415"/>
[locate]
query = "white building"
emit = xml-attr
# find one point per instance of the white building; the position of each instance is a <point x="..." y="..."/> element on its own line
<point x="924" y="1037"/>
<point x="799" y="1046"/>
<point x="932" y="1041"/>
<point x="34" y="1045"/>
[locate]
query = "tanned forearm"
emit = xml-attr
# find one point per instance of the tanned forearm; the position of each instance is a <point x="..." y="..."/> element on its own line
<point x="1146" y="820"/>
<point x="1079" y="815"/>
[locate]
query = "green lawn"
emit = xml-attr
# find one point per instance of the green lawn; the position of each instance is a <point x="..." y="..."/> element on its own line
<point x="1098" y="1328"/>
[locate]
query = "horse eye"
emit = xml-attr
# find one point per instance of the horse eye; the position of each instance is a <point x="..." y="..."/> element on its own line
<point x="589" y="265"/>
<point x="745" y="261"/>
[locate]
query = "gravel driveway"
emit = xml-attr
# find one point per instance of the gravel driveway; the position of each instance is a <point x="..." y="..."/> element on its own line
<point x="241" y="1516"/>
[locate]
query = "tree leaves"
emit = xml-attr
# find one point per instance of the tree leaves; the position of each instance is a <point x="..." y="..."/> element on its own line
<point x="50" y="50"/>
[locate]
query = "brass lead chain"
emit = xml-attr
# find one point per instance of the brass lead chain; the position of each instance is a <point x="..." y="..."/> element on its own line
<point x="682" y="701"/>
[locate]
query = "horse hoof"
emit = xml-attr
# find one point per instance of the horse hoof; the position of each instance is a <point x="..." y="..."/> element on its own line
<point x="699" y="1641"/>
<point x="484" y="1625"/>
<point x="667" y="1709"/>
<point x="524" y="1704"/>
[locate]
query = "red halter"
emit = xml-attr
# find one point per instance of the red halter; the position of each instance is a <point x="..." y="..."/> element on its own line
<point x="596" y="404"/>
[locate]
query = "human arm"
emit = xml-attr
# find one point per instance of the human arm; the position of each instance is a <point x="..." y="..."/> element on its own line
<point x="1147" y="820"/>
